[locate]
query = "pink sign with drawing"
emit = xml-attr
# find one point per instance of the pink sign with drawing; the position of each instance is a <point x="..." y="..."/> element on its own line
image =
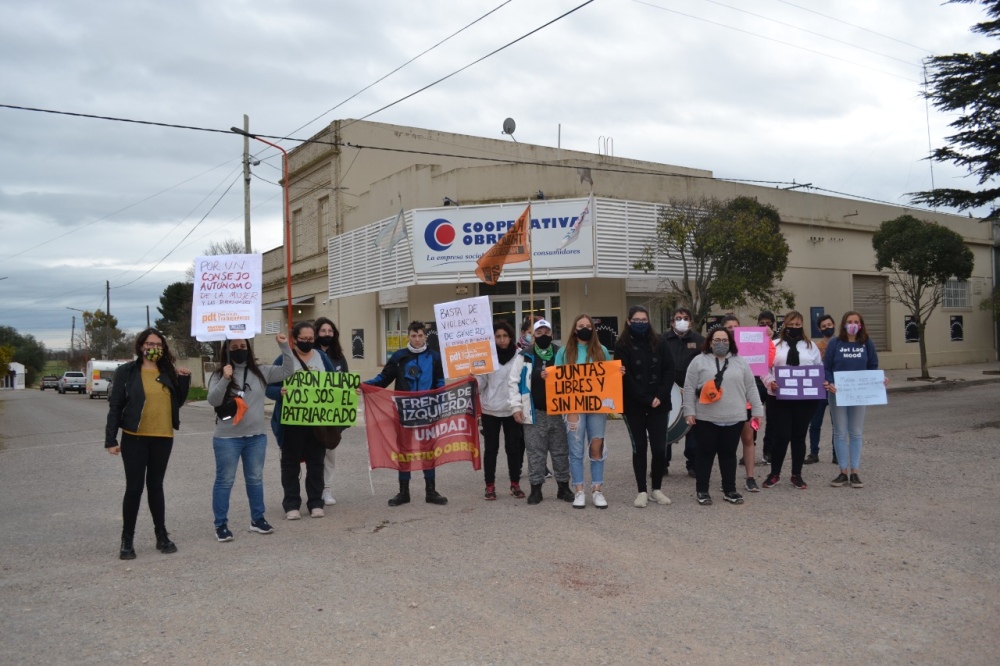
<point x="754" y="347"/>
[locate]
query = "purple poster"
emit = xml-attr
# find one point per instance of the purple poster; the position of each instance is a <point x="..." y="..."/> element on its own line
<point x="800" y="382"/>
<point x="754" y="347"/>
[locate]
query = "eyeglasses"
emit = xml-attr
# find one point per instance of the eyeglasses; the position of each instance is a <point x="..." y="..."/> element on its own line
<point x="152" y="345"/>
<point x="306" y="339"/>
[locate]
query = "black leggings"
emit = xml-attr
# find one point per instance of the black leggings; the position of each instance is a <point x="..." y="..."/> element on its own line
<point x="715" y="440"/>
<point x="641" y="421"/>
<point x="145" y="460"/>
<point x="513" y="444"/>
<point x="791" y="421"/>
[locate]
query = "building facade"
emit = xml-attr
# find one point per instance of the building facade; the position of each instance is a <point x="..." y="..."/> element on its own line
<point x="458" y="193"/>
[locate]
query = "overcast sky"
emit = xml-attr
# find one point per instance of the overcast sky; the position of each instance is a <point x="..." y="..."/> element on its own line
<point x="826" y="93"/>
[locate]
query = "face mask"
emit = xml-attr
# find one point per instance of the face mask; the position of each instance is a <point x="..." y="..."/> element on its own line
<point x="827" y="332"/>
<point x="325" y="340"/>
<point x="584" y="334"/>
<point x="304" y="347"/>
<point x="153" y="353"/>
<point x="682" y="325"/>
<point x="793" y="333"/>
<point x="853" y="329"/>
<point x="543" y="341"/>
<point x="238" y="356"/>
<point x="720" y="348"/>
<point x="638" y="328"/>
<point x="525" y="340"/>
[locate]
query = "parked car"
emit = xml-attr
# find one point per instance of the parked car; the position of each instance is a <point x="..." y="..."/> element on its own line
<point x="50" y="381"/>
<point x="99" y="376"/>
<point x="72" y="381"/>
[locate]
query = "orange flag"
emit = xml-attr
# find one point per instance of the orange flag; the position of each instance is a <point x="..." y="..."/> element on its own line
<point x="515" y="246"/>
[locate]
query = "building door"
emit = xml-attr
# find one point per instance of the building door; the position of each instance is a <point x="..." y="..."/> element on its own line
<point x="511" y="301"/>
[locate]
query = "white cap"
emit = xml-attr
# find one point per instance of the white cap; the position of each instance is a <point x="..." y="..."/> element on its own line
<point x="540" y="323"/>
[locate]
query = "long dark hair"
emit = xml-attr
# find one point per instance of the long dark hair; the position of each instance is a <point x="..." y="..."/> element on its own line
<point x="166" y="361"/>
<point x="625" y="336"/>
<point x="251" y="363"/>
<point x="336" y="351"/>
<point x="594" y="351"/>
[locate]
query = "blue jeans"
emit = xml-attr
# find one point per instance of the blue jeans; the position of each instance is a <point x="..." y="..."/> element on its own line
<point x="848" y="423"/>
<point x="228" y="451"/>
<point x="816" y="426"/>
<point x="588" y="428"/>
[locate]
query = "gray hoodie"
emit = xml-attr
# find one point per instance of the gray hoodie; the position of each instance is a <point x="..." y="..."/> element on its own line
<point x="253" y="422"/>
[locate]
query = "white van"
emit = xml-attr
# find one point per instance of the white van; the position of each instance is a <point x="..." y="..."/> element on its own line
<point x="99" y="376"/>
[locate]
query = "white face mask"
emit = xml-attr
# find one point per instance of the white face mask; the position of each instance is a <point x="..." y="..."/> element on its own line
<point x="682" y="325"/>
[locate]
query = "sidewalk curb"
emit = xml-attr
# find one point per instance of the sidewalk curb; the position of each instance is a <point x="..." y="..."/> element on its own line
<point x="912" y="387"/>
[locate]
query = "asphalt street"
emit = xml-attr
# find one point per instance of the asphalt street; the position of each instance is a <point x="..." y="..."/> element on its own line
<point x="904" y="570"/>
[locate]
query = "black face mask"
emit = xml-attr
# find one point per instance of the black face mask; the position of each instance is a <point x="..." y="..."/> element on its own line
<point x="325" y="341"/>
<point x="793" y="333"/>
<point x="238" y="356"/>
<point x="543" y="341"/>
<point x="827" y="332"/>
<point x="304" y="347"/>
<point x="584" y="334"/>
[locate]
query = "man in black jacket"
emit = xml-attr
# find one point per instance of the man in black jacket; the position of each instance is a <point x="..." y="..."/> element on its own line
<point x="684" y="344"/>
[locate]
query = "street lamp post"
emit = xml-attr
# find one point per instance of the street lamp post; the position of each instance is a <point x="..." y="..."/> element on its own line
<point x="86" y="347"/>
<point x="288" y="220"/>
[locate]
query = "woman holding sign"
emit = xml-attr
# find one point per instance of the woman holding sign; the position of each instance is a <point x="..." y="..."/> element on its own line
<point x="717" y="388"/>
<point x="585" y="430"/>
<point x="791" y="417"/>
<point x="239" y="428"/>
<point x="298" y="442"/>
<point x="328" y="342"/>
<point x="851" y="350"/>
<point x="497" y="414"/>
<point x="646" y="386"/>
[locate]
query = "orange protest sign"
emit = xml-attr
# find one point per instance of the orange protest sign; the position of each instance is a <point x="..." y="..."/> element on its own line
<point x="473" y="358"/>
<point x="584" y="388"/>
<point x="514" y="246"/>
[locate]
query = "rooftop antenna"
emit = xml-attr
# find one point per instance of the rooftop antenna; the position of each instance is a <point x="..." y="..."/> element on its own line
<point x="508" y="128"/>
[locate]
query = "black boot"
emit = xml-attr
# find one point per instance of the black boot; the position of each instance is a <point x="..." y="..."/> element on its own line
<point x="433" y="496"/>
<point x="404" y="494"/>
<point x="536" y="494"/>
<point x="564" y="493"/>
<point x="163" y="542"/>
<point x="128" y="550"/>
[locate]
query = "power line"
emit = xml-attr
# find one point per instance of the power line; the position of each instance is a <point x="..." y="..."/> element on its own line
<point x="853" y="25"/>
<point x="773" y="39"/>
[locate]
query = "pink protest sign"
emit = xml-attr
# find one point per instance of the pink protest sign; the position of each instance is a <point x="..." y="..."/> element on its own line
<point x="754" y="347"/>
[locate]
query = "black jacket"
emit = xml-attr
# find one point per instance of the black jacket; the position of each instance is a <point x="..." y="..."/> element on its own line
<point x="683" y="350"/>
<point x="648" y="374"/>
<point x="127" y="399"/>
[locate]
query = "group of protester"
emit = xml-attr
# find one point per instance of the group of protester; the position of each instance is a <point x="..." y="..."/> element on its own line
<point x="722" y="402"/>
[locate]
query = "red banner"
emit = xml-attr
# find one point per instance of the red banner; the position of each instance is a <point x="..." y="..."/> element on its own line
<point x="421" y="430"/>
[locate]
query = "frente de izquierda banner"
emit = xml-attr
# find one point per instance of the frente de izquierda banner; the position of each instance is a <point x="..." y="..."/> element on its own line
<point x="410" y="431"/>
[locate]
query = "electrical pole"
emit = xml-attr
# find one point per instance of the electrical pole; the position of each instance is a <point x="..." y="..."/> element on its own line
<point x="147" y="316"/>
<point x="72" y="334"/>
<point x="246" y="184"/>
<point x="107" y="321"/>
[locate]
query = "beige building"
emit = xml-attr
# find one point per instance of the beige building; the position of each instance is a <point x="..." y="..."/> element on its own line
<point x="356" y="177"/>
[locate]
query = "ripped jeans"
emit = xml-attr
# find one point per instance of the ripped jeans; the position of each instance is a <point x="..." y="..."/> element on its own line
<point x="587" y="428"/>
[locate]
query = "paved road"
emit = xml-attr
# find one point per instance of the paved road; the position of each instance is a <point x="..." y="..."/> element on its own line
<point x="903" y="571"/>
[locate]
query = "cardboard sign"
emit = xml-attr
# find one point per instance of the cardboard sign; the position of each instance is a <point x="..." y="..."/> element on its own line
<point x="754" y="346"/>
<point x="800" y="382"/>
<point x="860" y="387"/>
<point x="227" y="297"/>
<point x="584" y="388"/>
<point x="320" y="398"/>
<point x="465" y="336"/>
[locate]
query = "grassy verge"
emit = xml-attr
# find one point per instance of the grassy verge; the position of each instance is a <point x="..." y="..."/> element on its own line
<point x="196" y="393"/>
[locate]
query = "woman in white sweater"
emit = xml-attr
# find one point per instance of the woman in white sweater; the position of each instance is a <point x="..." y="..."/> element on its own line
<point x="497" y="414"/>
<point x="791" y="417"/>
<point x="717" y="388"/>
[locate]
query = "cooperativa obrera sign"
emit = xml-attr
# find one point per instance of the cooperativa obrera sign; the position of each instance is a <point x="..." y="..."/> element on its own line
<point x="451" y="240"/>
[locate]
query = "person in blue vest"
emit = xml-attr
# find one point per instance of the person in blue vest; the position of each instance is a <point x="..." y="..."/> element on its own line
<point x="416" y="367"/>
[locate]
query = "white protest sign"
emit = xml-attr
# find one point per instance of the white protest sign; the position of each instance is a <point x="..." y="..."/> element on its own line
<point x="860" y="387"/>
<point x="227" y="297"/>
<point x="465" y="334"/>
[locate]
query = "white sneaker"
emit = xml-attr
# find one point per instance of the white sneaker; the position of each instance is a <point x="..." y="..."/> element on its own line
<point x="579" y="500"/>
<point x="598" y="499"/>
<point x="317" y="513"/>
<point x="640" y="501"/>
<point x="328" y="497"/>
<point x="659" y="497"/>
<point x="293" y="515"/>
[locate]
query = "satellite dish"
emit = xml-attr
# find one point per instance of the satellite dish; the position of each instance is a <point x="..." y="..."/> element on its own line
<point x="508" y="126"/>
